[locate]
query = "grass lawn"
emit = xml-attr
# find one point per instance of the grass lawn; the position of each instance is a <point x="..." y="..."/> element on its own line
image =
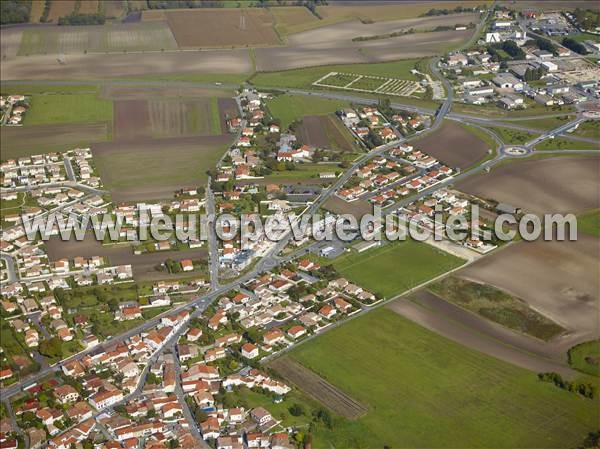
<point x="561" y="143"/>
<point x="546" y="123"/>
<point x="289" y="108"/>
<point x="425" y="391"/>
<point x="302" y="172"/>
<point x="395" y="267"/>
<point x="513" y="136"/>
<point x="589" y="222"/>
<point x="249" y="399"/>
<point x="496" y="305"/>
<point x="29" y="89"/>
<point x="585" y="357"/>
<point x="589" y="128"/>
<point x="303" y="78"/>
<point x="68" y="108"/>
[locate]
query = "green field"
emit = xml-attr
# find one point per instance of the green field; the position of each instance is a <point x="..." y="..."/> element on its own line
<point x="585" y="357"/>
<point x="302" y="172"/>
<point x="496" y="305"/>
<point x="546" y="123"/>
<point x="425" y="391"/>
<point x="589" y="223"/>
<point x="187" y="165"/>
<point x="68" y="108"/>
<point x="513" y="136"/>
<point x="303" y="78"/>
<point x="562" y="143"/>
<point x="289" y="108"/>
<point x="481" y="135"/>
<point x="395" y="267"/>
<point x="589" y="128"/>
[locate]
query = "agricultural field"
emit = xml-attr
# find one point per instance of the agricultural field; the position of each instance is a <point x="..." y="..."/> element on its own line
<point x="37" y="9"/>
<point x="327" y="132"/>
<point x="189" y="159"/>
<point x="413" y="263"/>
<point x="60" y="8"/>
<point x="113" y="8"/>
<point x="585" y="357"/>
<point x="456" y="145"/>
<point x="166" y="117"/>
<point x="447" y="392"/>
<point x="291" y="108"/>
<point x="566" y="288"/>
<point x="336" y="47"/>
<point x="127" y="37"/>
<point x="220" y="27"/>
<point x="68" y="108"/>
<point x="496" y="305"/>
<point x="93" y="66"/>
<point x="553" y="185"/>
<point x="370" y="84"/>
<point x="291" y="19"/>
<point x="382" y="13"/>
<point x="318" y="388"/>
<point x="36" y="139"/>
<point x="88" y="7"/>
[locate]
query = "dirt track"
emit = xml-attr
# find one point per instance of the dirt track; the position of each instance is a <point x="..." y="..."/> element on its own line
<point x="318" y="388"/>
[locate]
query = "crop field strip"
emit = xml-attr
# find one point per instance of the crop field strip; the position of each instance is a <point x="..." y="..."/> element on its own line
<point x="369" y="83"/>
<point x="318" y="388"/>
<point x="153" y="36"/>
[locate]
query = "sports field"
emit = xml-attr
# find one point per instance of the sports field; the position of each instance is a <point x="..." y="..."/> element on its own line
<point x="289" y="108"/>
<point x="395" y="267"/>
<point x="424" y="391"/>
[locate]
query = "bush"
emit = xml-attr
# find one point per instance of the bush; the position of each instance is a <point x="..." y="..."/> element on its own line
<point x="14" y="11"/>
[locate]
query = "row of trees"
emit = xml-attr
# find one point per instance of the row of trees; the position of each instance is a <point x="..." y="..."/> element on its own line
<point x="584" y="389"/>
<point x="82" y="19"/>
<point x="575" y="46"/>
<point x="14" y="11"/>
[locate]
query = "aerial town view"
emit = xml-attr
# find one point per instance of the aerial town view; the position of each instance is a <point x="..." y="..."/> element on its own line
<point x="296" y="224"/>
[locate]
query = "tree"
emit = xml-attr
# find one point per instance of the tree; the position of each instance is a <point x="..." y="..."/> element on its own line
<point x="296" y="410"/>
<point x="51" y="348"/>
<point x="572" y="44"/>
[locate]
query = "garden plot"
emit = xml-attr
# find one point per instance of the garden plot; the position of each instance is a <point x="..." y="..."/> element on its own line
<point x="372" y="84"/>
